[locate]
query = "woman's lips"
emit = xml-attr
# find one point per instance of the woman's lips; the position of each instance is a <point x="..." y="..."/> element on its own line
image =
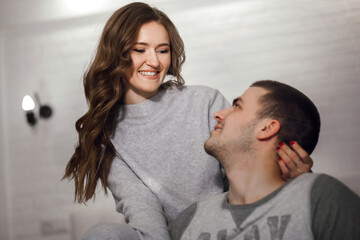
<point x="152" y="75"/>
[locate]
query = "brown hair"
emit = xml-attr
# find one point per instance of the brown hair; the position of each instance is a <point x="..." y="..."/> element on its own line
<point x="297" y="114"/>
<point x="104" y="83"/>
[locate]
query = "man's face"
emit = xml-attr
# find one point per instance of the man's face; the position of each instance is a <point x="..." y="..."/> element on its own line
<point x="236" y="126"/>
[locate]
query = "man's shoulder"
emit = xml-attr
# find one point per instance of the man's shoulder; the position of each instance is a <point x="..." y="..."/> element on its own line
<point x="330" y="186"/>
<point x="334" y="206"/>
<point x="302" y="182"/>
<point x="319" y="183"/>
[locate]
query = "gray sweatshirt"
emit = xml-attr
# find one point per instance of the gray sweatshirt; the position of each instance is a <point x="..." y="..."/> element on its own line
<point x="311" y="206"/>
<point x="161" y="166"/>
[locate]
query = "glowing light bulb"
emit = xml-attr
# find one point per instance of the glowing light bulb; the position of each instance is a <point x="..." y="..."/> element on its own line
<point x="28" y="103"/>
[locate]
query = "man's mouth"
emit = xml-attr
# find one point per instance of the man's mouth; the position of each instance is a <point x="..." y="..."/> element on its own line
<point x="217" y="128"/>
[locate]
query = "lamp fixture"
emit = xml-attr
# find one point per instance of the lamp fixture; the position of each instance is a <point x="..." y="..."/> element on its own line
<point x="28" y="105"/>
<point x="45" y="111"/>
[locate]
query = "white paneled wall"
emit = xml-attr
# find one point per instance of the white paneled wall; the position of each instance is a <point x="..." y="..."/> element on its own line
<point x="312" y="45"/>
<point x="4" y="186"/>
<point x="50" y="63"/>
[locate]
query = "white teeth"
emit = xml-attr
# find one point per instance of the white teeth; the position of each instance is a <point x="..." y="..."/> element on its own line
<point x="218" y="129"/>
<point x="148" y="73"/>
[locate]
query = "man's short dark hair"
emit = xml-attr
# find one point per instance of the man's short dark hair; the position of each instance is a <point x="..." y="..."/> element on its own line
<point x="297" y="114"/>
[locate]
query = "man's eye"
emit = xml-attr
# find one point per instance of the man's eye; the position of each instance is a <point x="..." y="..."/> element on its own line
<point x="236" y="105"/>
<point x="138" y="50"/>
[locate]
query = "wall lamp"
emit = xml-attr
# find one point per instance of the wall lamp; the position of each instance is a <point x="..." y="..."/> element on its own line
<point x="28" y="105"/>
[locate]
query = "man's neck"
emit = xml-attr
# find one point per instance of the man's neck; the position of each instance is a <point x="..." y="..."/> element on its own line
<point x="253" y="178"/>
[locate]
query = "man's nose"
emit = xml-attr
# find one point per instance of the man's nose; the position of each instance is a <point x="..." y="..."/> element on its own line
<point x="221" y="115"/>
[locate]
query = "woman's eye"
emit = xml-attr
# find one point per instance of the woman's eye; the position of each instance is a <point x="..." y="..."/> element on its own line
<point x="138" y="50"/>
<point x="162" y="51"/>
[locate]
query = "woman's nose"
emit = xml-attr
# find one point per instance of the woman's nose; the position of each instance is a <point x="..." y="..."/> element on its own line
<point x="152" y="60"/>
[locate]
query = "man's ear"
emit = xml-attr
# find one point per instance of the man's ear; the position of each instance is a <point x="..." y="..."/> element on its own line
<point x="267" y="129"/>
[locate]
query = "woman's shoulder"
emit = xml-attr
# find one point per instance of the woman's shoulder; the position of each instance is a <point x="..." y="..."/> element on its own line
<point x="198" y="90"/>
<point x="195" y="95"/>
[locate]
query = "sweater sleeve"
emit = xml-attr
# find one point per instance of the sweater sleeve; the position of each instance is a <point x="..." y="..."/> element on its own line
<point x="141" y="208"/>
<point x="335" y="210"/>
<point x="217" y="103"/>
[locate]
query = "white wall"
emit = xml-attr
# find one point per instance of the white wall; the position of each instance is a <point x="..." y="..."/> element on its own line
<point x="229" y="44"/>
<point x="4" y="193"/>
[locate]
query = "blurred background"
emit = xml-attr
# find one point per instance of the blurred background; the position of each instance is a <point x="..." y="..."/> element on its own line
<point x="45" y="46"/>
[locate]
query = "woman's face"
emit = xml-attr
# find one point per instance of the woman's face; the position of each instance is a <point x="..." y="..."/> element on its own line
<point x="151" y="59"/>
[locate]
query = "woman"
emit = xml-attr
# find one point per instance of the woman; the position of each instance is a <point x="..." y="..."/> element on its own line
<point x="142" y="138"/>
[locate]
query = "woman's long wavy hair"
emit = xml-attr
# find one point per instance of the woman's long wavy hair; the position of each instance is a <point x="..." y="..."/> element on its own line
<point x="104" y="84"/>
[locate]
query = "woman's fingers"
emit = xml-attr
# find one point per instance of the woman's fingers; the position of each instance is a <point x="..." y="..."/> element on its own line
<point x="294" y="162"/>
<point x="304" y="156"/>
<point x="288" y="156"/>
<point x="285" y="171"/>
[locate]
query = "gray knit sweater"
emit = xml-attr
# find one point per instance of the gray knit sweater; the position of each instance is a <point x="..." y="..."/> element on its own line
<point x="161" y="166"/>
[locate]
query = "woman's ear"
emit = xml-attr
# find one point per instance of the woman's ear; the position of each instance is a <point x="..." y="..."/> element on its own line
<point x="268" y="128"/>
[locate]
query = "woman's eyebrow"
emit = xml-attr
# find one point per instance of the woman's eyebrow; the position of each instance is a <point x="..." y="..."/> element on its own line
<point x="159" y="45"/>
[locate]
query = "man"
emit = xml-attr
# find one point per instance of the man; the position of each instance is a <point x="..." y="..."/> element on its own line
<point x="260" y="204"/>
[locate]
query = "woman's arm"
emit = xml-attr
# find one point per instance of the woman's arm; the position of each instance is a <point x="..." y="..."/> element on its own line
<point x="141" y="208"/>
